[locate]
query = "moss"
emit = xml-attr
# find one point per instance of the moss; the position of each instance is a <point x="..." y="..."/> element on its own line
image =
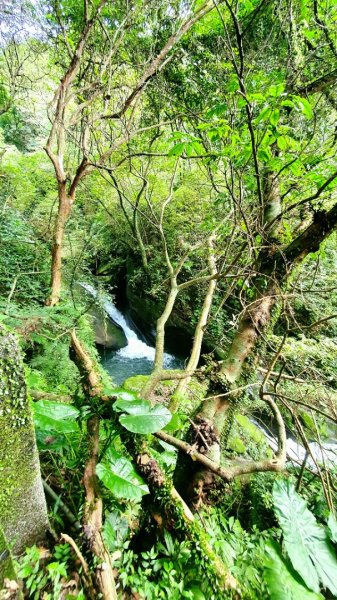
<point x="237" y="445"/>
<point x="246" y="438"/>
<point x="249" y="429"/>
<point x="189" y="400"/>
<point x="22" y="505"/>
<point x="135" y="383"/>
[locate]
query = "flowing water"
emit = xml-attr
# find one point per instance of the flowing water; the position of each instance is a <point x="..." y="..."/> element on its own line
<point x="137" y="359"/>
<point x="296" y="453"/>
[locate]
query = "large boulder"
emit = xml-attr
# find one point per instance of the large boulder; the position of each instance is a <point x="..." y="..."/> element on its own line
<point x="107" y="333"/>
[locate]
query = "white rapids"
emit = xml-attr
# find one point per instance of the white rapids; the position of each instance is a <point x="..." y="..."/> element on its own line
<point x="136" y="348"/>
<point x="296" y="453"/>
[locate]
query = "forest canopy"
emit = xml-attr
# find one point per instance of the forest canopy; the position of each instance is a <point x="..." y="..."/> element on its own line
<point x="168" y="299"/>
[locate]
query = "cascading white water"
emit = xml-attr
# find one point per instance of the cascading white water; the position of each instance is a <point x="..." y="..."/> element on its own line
<point x="136" y="348"/>
<point x="296" y="453"/>
<point x="137" y="358"/>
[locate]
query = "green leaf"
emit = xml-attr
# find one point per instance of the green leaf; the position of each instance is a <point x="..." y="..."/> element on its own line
<point x="304" y="106"/>
<point x="115" y="530"/>
<point x="276" y="90"/>
<point x="264" y="154"/>
<point x="176" y="422"/>
<point x="306" y="542"/>
<point x="332" y="525"/>
<point x="263" y="115"/>
<point x="282" y="581"/>
<point x="142" y="417"/>
<point x="217" y="110"/>
<point x="177" y="150"/>
<point x="275" y="116"/>
<point x="55" y="416"/>
<point x="124" y="395"/>
<point x="282" y="142"/>
<point x="121" y="479"/>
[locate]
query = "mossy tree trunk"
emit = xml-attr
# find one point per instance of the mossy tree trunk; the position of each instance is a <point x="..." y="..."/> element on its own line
<point x="23" y="510"/>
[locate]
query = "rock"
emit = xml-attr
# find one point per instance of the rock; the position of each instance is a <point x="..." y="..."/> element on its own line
<point x="107" y="333"/>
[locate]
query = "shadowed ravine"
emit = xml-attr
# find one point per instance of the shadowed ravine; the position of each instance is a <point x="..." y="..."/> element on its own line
<point x="137" y="359"/>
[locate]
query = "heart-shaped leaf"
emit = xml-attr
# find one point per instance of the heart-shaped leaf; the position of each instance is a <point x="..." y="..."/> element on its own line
<point x="55" y="416"/>
<point x="123" y="395"/>
<point x="120" y="477"/>
<point x="141" y="417"/>
<point x="282" y="581"/>
<point x="306" y="542"/>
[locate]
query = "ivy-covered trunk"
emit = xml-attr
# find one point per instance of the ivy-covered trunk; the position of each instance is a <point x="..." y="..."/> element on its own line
<point x="23" y="510"/>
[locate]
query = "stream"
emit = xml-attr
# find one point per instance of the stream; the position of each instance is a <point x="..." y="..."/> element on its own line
<point x="137" y="358"/>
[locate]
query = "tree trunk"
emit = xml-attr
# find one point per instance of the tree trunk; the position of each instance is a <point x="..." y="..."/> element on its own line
<point x="199" y="332"/>
<point x="160" y="335"/>
<point x="23" y="510"/>
<point x="64" y="208"/>
<point x="275" y="269"/>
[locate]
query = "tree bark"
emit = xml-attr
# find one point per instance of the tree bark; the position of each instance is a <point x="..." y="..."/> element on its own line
<point x="199" y="331"/>
<point x="64" y="208"/>
<point x="23" y="510"/>
<point x="93" y="511"/>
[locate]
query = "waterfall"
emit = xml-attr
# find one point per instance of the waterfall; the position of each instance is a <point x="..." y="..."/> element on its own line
<point x="326" y="453"/>
<point x="136" y="348"/>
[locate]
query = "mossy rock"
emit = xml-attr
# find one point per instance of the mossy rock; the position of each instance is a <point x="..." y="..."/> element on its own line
<point x="107" y="333"/>
<point x="236" y="444"/>
<point x="135" y="383"/>
<point x="250" y="430"/>
<point x="23" y="510"/>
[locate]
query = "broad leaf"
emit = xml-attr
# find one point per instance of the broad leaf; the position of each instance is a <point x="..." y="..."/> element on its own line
<point x="123" y="394"/>
<point x="115" y="530"/>
<point x="282" y="581"/>
<point x="332" y="525"/>
<point x="142" y="417"/>
<point x="119" y="476"/>
<point x="55" y="416"/>
<point x="177" y="150"/>
<point x="304" y="106"/>
<point x="306" y="542"/>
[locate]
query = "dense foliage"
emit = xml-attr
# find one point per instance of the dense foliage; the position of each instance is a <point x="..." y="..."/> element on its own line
<point x="179" y="159"/>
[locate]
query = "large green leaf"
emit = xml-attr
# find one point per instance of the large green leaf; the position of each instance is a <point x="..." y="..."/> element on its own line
<point x="115" y="530"/>
<point x="119" y="476"/>
<point x="332" y="525"/>
<point x="282" y="581"/>
<point x="123" y="394"/>
<point x="55" y="416"/>
<point x="141" y="417"/>
<point x="306" y="542"/>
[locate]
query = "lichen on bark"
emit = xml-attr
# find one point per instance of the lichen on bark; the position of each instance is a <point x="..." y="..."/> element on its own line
<point x="23" y="511"/>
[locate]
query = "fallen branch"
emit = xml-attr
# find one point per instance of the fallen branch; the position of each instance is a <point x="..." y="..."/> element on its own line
<point x="91" y="379"/>
<point x="93" y="515"/>
<point x="226" y="473"/>
<point x="86" y="572"/>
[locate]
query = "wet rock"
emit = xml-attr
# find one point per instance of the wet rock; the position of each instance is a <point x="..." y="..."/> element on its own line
<point x="107" y="333"/>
